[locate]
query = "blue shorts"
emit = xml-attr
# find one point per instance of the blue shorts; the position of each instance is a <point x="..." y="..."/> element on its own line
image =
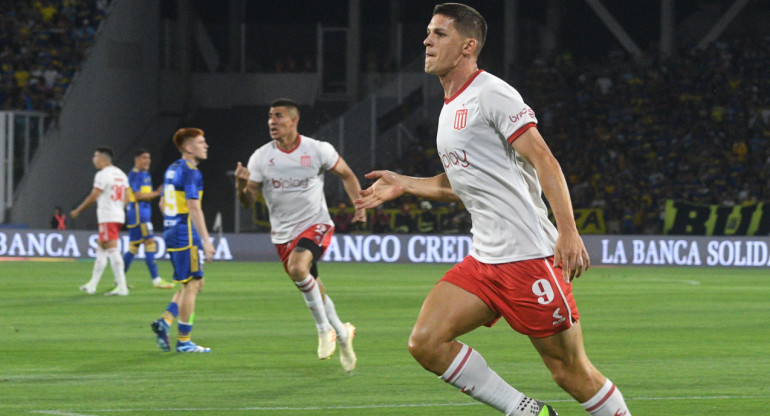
<point x="140" y="232"/>
<point x="184" y="247"/>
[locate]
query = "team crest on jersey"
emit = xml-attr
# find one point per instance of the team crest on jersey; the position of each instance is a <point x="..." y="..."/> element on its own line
<point x="461" y="118"/>
<point x="304" y="161"/>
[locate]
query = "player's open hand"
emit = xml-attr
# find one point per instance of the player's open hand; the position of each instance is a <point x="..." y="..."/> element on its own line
<point x="571" y="253"/>
<point x="387" y="187"/>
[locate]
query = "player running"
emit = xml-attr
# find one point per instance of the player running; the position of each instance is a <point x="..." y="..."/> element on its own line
<point x="289" y="171"/>
<point x="520" y="267"/>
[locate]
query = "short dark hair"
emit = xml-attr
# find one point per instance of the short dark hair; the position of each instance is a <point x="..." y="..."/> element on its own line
<point x="285" y="102"/>
<point x="140" y="152"/>
<point x="105" y="151"/>
<point x="469" y="22"/>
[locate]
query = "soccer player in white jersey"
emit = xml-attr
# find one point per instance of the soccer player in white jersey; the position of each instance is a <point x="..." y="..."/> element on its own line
<point x="520" y="267"/>
<point x="109" y="193"/>
<point x="289" y="171"/>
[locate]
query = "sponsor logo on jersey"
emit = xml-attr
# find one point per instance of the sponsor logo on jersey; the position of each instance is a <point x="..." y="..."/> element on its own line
<point x="454" y="158"/>
<point x="461" y="119"/>
<point x="526" y="111"/>
<point x="289" y="183"/>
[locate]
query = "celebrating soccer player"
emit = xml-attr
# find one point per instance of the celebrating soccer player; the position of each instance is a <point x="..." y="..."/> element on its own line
<point x="521" y="266"/>
<point x="289" y="171"/>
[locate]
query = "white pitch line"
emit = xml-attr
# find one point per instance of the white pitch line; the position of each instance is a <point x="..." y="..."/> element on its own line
<point x="371" y="406"/>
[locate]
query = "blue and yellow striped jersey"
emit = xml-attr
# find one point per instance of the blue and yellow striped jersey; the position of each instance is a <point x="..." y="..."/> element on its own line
<point x="138" y="211"/>
<point x="182" y="181"/>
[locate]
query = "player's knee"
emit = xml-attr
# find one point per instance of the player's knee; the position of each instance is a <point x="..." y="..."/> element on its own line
<point x="150" y="246"/>
<point x="297" y="271"/>
<point x="421" y="346"/>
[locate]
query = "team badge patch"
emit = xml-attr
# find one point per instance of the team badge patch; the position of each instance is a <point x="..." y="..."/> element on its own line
<point x="304" y="161"/>
<point x="461" y="118"/>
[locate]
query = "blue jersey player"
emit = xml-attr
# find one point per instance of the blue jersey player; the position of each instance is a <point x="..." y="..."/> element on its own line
<point x="139" y="217"/>
<point x="186" y="236"/>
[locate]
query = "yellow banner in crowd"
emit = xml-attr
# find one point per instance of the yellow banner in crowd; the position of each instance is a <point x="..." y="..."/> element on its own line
<point x="588" y="220"/>
<point x="684" y="218"/>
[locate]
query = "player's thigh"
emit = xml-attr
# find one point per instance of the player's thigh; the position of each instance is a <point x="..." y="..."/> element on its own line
<point x="450" y="311"/>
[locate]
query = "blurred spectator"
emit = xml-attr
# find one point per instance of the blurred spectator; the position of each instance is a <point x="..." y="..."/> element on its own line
<point x="59" y="219"/>
<point x="342" y="219"/>
<point x="427" y="221"/>
<point x="380" y="221"/>
<point x="404" y="222"/>
<point x="455" y="221"/>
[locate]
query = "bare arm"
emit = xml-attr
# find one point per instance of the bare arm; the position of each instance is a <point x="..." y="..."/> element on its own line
<point x="90" y="200"/>
<point x="569" y="249"/>
<point x="390" y="185"/>
<point x="196" y="215"/>
<point x="352" y="187"/>
<point x="245" y="189"/>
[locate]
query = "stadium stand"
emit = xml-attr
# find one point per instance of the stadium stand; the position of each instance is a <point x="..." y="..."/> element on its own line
<point x="42" y="44"/>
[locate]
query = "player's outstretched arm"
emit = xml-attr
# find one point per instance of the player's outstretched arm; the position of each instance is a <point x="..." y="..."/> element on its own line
<point x="389" y="186"/>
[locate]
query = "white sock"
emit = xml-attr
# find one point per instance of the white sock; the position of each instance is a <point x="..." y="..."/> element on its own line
<point x="99" y="264"/>
<point x="116" y="263"/>
<point x="470" y="373"/>
<point x="608" y="401"/>
<point x="314" y="301"/>
<point x="331" y="314"/>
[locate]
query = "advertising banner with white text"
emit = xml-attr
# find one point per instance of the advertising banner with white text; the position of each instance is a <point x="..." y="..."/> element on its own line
<point x="607" y="250"/>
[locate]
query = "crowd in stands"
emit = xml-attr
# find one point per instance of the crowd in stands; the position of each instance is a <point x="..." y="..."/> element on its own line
<point x="42" y="45"/>
<point x="631" y="134"/>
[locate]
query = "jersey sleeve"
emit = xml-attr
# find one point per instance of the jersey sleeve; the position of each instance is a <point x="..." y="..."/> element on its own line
<point x="506" y="111"/>
<point x="193" y="184"/>
<point x="329" y="156"/>
<point x="255" y="173"/>
<point x="100" y="180"/>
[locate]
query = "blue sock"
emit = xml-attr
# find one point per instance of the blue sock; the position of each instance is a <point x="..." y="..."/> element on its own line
<point x="173" y="309"/>
<point x="127" y="259"/>
<point x="152" y="266"/>
<point x="184" y="331"/>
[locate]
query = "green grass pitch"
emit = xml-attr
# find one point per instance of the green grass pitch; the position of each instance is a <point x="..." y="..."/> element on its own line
<point x="676" y="341"/>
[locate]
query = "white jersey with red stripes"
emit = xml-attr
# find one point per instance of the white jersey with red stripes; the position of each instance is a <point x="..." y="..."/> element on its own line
<point x="500" y="190"/>
<point x="293" y="185"/>
<point x="110" y="206"/>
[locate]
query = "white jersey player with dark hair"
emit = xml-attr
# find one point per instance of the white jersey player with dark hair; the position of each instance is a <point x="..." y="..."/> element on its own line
<point x="289" y="172"/>
<point x="110" y="195"/>
<point x="520" y="267"/>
